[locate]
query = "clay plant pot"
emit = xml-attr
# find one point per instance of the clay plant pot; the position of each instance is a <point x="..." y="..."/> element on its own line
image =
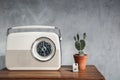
<point x="81" y="60"/>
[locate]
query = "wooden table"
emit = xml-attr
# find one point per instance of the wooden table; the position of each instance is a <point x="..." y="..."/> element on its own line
<point x="65" y="73"/>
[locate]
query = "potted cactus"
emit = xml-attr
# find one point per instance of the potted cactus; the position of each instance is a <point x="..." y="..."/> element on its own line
<point x="80" y="57"/>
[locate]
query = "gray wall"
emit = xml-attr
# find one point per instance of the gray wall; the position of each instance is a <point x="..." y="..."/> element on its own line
<point x="100" y="19"/>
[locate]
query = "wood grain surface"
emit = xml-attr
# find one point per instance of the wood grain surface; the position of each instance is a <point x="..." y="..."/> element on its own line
<point x="65" y="73"/>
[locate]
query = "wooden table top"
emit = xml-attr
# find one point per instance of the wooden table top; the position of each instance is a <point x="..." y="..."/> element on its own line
<point x="91" y="73"/>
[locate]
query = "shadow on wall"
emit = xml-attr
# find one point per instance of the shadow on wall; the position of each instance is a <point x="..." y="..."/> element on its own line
<point x="2" y="61"/>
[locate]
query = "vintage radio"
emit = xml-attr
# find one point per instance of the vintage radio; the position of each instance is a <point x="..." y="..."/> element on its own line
<point x="33" y="48"/>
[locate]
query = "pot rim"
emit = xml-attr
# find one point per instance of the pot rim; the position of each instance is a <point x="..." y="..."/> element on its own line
<point x="79" y="55"/>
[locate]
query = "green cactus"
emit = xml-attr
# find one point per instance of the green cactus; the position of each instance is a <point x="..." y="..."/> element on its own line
<point x="80" y="43"/>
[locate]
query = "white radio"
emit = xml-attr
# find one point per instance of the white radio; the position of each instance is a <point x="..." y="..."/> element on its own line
<point x="33" y="48"/>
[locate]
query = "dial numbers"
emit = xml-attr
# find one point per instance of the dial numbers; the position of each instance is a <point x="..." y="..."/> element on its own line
<point x="44" y="48"/>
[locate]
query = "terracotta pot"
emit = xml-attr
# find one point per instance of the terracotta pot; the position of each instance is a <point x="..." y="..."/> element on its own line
<point x="81" y="60"/>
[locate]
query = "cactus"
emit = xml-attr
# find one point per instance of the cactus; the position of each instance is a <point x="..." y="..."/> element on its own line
<point x="80" y="43"/>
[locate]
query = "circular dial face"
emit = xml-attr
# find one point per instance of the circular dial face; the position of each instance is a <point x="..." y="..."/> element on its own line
<point x="43" y="49"/>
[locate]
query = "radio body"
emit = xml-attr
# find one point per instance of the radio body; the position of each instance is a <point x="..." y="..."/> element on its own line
<point x="33" y="48"/>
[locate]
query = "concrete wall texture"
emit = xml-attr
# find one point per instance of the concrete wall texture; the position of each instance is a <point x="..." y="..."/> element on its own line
<point x="100" y="19"/>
